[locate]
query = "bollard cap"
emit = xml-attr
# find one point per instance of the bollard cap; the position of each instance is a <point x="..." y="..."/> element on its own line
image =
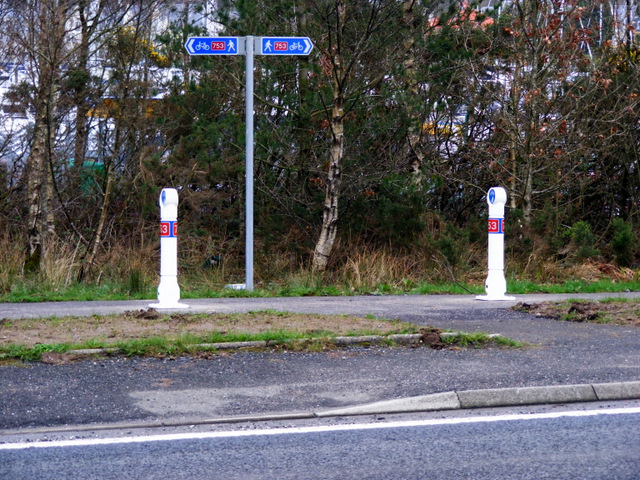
<point x="497" y="196"/>
<point x="168" y="196"/>
<point x="169" y="204"/>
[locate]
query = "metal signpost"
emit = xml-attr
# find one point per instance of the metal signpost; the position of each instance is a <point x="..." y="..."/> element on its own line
<point x="249" y="46"/>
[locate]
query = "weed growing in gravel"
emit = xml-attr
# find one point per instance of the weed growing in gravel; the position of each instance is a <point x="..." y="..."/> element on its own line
<point x="478" y="340"/>
<point x="31" y="354"/>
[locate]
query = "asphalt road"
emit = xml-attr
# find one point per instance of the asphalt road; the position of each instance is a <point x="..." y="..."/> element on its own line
<point x="599" y="445"/>
<point x="125" y="390"/>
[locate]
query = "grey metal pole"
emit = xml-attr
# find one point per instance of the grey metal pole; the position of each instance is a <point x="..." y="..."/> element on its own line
<point x="249" y="164"/>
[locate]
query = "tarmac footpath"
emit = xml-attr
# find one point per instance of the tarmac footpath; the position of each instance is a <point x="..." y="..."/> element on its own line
<point x="564" y="362"/>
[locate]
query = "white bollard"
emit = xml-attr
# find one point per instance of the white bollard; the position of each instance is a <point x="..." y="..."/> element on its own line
<point x="169" y="290"/>
<point x="496" y="284"/>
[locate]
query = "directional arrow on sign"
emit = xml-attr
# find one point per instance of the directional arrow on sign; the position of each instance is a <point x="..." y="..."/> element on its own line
<point x="215" y="45"/>
<point x="283" y="46"/>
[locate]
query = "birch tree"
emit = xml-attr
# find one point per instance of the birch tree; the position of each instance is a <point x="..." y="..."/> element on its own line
<point x="38" y="32"/>
<point x="359" y="42"/>
<point x="54" y="41"/>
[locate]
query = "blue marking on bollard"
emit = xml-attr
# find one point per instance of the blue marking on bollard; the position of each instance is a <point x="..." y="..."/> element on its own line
<point x="169" y="229"/>
<point x="496" y="225"/>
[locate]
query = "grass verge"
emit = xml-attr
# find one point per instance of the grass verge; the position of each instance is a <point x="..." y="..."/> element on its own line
<point x="148" y="333"/>
<point x="35" y="291"/>
<point x="572" y="286"/>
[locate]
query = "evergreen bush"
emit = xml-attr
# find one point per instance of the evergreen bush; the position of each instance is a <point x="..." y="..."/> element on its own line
<point x="622" y="242"/>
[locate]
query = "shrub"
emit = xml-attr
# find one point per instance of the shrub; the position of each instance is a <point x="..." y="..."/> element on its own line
<point x="584" y="240"/>
<point x="622" y="242"/>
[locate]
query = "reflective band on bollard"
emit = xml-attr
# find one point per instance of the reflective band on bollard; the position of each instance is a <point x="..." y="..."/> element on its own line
<point x="168" y="290"/>
<point x="496" y="284"/>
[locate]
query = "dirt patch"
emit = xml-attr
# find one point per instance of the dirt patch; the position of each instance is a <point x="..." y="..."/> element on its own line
<point x="150" y="323"/>
<point x="616" y="312"/>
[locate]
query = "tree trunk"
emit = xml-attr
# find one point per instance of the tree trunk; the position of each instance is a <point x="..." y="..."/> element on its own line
<point x="99" y="233"/>
<point x="96" y="241"/>
<point x="36" y="189"/>
<point x="39" y="171"/>
<point x="330" y="214"/>
<point x="411" y="81"/>
<point x="527" y="197"/>
<point x="81" y="104"/>
<point x="40" y="194"/>
<point x="329" y="230"/>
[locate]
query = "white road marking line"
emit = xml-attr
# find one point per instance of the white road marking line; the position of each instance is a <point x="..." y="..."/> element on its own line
<point x="313" y="429"/>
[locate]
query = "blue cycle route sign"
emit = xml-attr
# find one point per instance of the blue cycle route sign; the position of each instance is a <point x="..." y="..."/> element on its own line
<point x="284" y="46"/>
<point x="215" y="45"/>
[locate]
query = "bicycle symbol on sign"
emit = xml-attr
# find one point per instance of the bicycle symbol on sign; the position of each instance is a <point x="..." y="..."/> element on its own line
<point x="202" y="46"/>
<point x="296" y="46"/>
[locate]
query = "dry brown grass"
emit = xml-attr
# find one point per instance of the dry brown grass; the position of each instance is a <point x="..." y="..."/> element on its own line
<point x="593" y="271"/>
<point x="11" y="263"/>
<point x="364" y="270"/>
<point x="134" y="264"/>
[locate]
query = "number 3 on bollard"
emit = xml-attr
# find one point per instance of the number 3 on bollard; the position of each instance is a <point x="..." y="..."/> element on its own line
<point x="496" y="225"/>
<point x="169" y="229"/>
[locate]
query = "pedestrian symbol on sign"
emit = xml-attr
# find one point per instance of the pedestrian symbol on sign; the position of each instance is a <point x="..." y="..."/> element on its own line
<point x="283" y="46"/>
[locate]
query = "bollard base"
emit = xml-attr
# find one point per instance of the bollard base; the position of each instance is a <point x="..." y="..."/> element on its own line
<point x="495" y="298"/>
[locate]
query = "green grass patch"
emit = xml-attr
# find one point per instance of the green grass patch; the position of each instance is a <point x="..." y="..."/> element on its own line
<point x="31" y="354"/>
<point x="479" y="339"/>
<point x="617" y="300"/>
<point x="571" y="286"/>
<point x="32" y="290"/>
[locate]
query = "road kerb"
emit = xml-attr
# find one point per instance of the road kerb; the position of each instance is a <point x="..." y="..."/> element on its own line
<point x="497" y="397"/>
<point x="340" y="341"/>
<point x="433" y="402"/>
<point x="501" y="397"/>
<point x="617" y="391"/>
